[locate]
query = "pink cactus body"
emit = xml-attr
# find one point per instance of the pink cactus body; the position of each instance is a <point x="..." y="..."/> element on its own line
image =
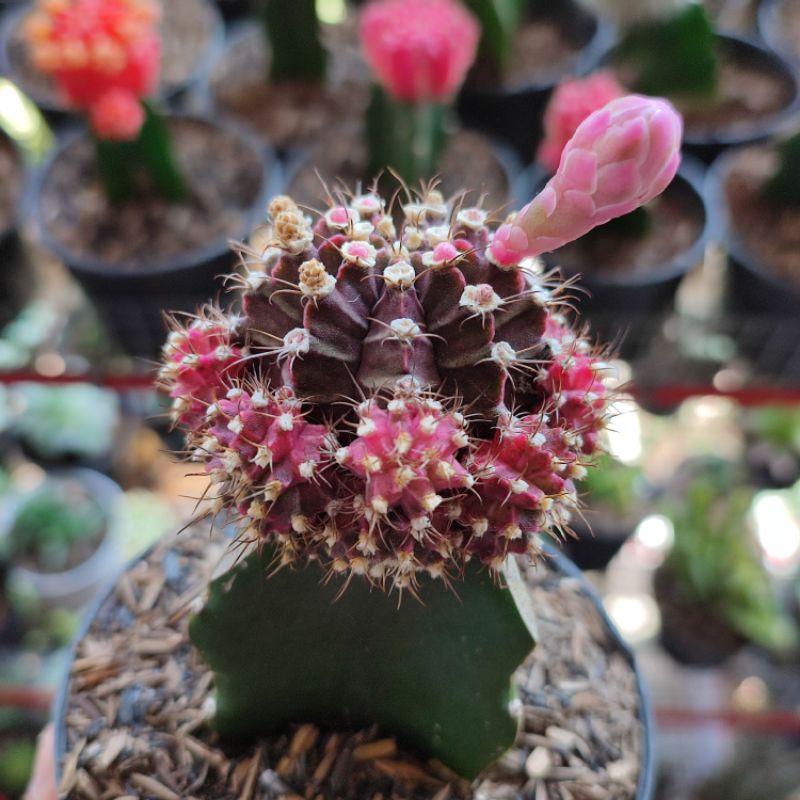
<point x="569" y="105"/>
<point x="620" y="157"/>
<point x="392" y="400"/>
<point x="420" y="50"/>
<point x="104" y="55"/>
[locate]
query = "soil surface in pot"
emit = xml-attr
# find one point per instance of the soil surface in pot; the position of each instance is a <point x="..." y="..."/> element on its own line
<point x="292" y="114"/>
<point x="224" y="181"/>
<point x="676" y="222"/>
<point x="770" y="233"/>
<point x="187" y="27"/>
<point x="746" y="93"/>
<point x="10" y="184"/>
<point x="468" y="160"/>
<point x="140" y="700"/>
<point x="542" y="50"/>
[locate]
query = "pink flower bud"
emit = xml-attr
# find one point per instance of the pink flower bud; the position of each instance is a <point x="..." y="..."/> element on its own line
<point x="117" y="116"/>
<point x="95" y="47"/>
<point x="569" y="105"/>
<point x="620" y="157"/>
<point x="419" y="50"/>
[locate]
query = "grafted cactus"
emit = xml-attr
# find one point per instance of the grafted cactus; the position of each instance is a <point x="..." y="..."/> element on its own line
<point x="403" y="399"/>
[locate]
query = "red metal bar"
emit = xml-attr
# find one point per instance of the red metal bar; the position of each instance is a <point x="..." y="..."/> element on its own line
<point x="778" y="722"/>
<point x="25" y="698"/>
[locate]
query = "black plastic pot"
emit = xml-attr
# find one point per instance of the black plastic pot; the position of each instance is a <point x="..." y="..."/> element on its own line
<point x="235" y="9"/>
<point x="57" y="115"/>
<point x="764" y="305"/>
<point x="622" y="308"/>
<point x="557" y="562"/>
<point x="708" y="144"/>
<point x="514" y="113"/>
<point x="132" y="303"/>
<point x="596" y="542"/>
<point x="16" y="280"/>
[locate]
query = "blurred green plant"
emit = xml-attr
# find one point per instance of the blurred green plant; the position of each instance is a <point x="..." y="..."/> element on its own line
<point x="614" y="486"/>
<point x="500" y="20"/>
<point x="16" y="764"/>
<point x="75" y="420"/>
<point x="783" y="187"/>
<point x="776" y="425"/>
<point x="53" y="524"/>
<point x="713" y="561"/>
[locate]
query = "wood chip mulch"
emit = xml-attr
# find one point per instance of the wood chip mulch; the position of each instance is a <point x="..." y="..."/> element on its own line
<point x="140" y="702"/>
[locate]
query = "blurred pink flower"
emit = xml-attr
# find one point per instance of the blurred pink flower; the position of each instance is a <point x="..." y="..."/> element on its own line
<point x="419" y="50"/>
<point x="569" y="105"/>
<point x="117" y="116"/>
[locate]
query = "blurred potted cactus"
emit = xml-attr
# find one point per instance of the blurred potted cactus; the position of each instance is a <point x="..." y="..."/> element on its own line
<point x="526" y="48"/>
<point x="142" y="208"/>
<point x="772" y="445"/>
<point x="730" y="89"/>
<point x="394" y="416"/>
<point x="191" y="33"/>
<point x="616" y="497"/>
<point x="410" y="127"/>
<point x="713" y="590"/>
<point x="756" y="189"/>
<point x="291" y="74"/>
<point x="61" y="538"/>
<point x="61" y="425"/>
<point x="630" y="267"/>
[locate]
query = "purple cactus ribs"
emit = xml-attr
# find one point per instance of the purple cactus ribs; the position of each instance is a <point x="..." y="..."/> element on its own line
<point x="392" y="400"/>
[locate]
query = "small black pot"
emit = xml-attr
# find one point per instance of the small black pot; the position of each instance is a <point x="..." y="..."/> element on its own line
<point x="235" y="9"/>
<point x="514" y="114"/>
<point x="57" y="114"/>
<point x="557" y="562"/>
<point x="132" y="304"/>
<point x="597" y="542"/>
<point x="16" y="278"/>
<point x="622" y="308"/>
<point x="708" y="144"/>
<point x="763" y="305"/>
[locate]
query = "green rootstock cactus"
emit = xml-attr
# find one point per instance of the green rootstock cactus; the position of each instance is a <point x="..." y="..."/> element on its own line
<point x="403" y="403"/>
<point x="434" y="674"/>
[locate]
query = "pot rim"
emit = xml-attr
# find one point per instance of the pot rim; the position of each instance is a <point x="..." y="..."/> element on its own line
<point x="647" y="755"/>
<point x="736" y="247"/>
<point x="167" y="92"/>
<point x="692" y="173"/>
<point x="107" y="494"/>
<point x="767" y="22"/>
<point x="766" y="125"/>
<point x="271" y="180"/>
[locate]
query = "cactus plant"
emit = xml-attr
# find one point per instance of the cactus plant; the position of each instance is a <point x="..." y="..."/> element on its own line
<point x="781" y="188"/>
<point x="404" y="402"/>
<point x="104" y="56"/>
<point x="292" y="29"/>
<point x="670" y="43"/>
<point x="419" y="52"/>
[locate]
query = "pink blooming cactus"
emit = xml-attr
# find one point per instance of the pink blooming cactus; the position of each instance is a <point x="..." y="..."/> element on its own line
<point x="620" y="157"/>
<point x="570" y="104"/>
<point x="103" y="54"/>
<point x="420" y="50"/>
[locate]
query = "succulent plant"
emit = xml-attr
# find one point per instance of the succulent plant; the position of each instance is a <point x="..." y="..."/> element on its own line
<point x="404" y="400"/>
<point x="293" y="32"/>
<point x="419" y="52"/>
<point x="105" y="56"/>
<point x="782" y="188"/>
<point x="670" y="43"/>
<point x="499" y="20"/>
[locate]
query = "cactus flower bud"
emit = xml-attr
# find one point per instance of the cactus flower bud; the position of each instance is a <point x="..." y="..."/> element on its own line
<point x="96" y="50"/>
<point x="420" y="50"/>
<point x="569" y="105"/>
<point x="620" y="157"/>
<point x="117" y="116"/>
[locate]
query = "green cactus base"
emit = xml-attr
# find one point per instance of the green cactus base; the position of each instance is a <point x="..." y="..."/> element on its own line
<point x="436" y="674"/>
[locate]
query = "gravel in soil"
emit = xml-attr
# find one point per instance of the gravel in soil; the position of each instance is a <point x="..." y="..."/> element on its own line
<point x="224" y="181"/>
<point x="746" y="93"/>
<point x="140" y="701"/>
<point x="187" y="29"/>
<point x="10" y="184"/>
<point x="292" y="114"/>
<point x="770" y="233"/>
<point x="468" y="161"/>
<point x="676" y="223"/>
